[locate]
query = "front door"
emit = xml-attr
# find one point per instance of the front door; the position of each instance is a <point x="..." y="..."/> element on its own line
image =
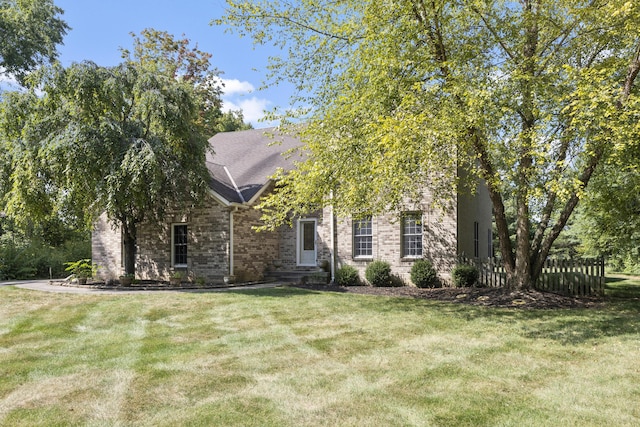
<point x="307" y="242"/>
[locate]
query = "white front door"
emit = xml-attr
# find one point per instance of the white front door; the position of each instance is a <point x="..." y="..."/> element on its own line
<point x="307" y="242"/>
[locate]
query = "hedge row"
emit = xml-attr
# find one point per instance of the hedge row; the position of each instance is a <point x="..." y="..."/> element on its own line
<point x="423" y="275"/>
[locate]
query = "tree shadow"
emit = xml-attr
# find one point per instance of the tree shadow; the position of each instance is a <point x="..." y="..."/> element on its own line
<point x="567" y="326"/>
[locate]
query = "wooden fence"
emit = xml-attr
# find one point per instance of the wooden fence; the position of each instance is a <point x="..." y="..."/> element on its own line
<point x="575" y="277"/>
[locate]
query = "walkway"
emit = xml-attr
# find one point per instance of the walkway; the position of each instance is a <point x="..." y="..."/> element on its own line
<point x="44" y="286"/>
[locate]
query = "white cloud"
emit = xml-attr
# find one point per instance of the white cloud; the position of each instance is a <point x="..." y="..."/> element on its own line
<point x="235" y="97"/>
<point x="253" y="109"/>
<point x="235" y="86"/>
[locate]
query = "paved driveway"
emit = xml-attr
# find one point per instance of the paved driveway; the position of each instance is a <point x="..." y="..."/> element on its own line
<point x="45" y="286"/>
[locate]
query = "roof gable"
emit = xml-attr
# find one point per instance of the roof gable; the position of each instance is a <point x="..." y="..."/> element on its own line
<point x="243" y="161"/>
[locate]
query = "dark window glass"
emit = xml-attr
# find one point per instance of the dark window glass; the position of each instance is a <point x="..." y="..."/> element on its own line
<point x="180" y="244"/>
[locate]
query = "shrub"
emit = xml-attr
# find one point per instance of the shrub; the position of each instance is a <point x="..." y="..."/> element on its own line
<point x="396" y="281"/>
<point x="423" y="275"/>
<point x="464" y="275"/>
<point x="378" y="273"/>
<point x="81" y="268"/>
<point x="22" y="257"/>
<point x="347" y="275"/>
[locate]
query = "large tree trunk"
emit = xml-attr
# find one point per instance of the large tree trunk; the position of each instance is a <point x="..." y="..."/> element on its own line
<point x="129" y="239"/>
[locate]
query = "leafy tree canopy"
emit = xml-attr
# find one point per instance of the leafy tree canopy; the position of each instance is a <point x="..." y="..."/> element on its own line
<point x="161" y="52"/>
<point x="530" y="96"/>
<point x="608" y="222"/>
<point x="126" y="140"/>
<point x="30" y="30"/>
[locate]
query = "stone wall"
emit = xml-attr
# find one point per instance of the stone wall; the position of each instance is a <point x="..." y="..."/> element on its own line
<point x="106" y="248"/>
<point x="254" y="252"/>
<point x="207" y="247"/>
<point x="288" y="243"/>
<point x="439" y="241"/>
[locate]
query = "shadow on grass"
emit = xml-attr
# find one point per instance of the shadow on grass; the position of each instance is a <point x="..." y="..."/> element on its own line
<point x="618" y="317"/>
<point x="280" y="292"/>
<point x="617" y="287"/>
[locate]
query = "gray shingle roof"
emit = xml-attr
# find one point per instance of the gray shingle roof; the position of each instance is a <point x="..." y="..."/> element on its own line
<point x="243" y="161"/>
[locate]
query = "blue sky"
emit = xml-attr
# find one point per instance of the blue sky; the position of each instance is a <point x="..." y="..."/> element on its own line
<point x="99" y="28"/>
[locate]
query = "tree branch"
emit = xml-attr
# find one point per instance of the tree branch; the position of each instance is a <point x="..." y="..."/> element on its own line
<point x="494" y="33"/>
<point x="550" y="205"/>
<point x="632" y="73"/>
<point x="566" y="212"/>
<point x="304" y="26"/>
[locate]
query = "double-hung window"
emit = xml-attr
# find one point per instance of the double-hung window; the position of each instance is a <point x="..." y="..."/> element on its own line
<point x="179" y="245"/>
<point x="412" y="235"/>
<point x="363" y="238"/>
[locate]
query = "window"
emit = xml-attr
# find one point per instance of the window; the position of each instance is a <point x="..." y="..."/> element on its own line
<point x="179" y="245"/>
<point x="412" y="235"/>
<point x="476" y="239"/>
<point x="362" y="238"/>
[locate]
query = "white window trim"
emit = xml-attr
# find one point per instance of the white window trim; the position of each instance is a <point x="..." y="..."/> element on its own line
<point x="353" y="240"/>
<point x="299" y="242"/>
<point x="173" y="246"/>
<point x="403" y="236"/>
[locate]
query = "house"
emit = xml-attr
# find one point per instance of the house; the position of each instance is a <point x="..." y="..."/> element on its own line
<point x="218" y="238"/>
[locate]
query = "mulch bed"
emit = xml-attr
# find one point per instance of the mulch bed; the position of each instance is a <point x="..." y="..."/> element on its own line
<point x="488" y="297"/>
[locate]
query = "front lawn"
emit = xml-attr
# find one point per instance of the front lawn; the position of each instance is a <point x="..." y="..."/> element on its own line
<point x="294" y="357"/>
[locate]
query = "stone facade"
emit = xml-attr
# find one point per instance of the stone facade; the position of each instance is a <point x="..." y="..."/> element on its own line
<point x="253" y="252"/>
<point x="439" y="244"/>
<point x="207" y="244"/>
<point x="209" y="240"/>
<point x="106" y="248"/>
<point x="446" y="233"/>
<point x="221" y="240"/>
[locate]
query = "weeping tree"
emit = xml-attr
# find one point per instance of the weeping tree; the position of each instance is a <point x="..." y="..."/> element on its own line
<point x="128" y="141"/>
<point x="529" y="96"/>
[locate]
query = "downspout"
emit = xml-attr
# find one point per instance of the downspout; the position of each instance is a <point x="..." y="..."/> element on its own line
<point x="231" y="211"/>
<point x="235" y="208"/>
<point x="332" y="252"/>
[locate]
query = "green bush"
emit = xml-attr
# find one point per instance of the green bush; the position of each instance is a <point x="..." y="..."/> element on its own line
<point x="16" y="263"/>
<point x="423" y="275"/>
<point x="464" y="275"/>
<point x="378" y="273"/>
<point x="347" y="275"/>
<point x="83" y="268"/>
<point x="24" y="258"/>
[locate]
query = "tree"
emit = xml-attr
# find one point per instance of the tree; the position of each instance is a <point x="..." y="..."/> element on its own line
<point x="30" y="31"/>
<point x="161" y="52"/>
<point x="530" y="96"/>
<point x="608" y="221"/>
<point x="124" y="140"/>
<point x="231" y="121"/>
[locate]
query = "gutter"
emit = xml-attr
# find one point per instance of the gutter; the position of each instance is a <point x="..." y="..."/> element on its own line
<point x="231" y="257"/>
<point x="332" y="252"/>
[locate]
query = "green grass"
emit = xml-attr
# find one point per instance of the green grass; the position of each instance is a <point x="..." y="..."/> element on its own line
<point x="290" y="357"/>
